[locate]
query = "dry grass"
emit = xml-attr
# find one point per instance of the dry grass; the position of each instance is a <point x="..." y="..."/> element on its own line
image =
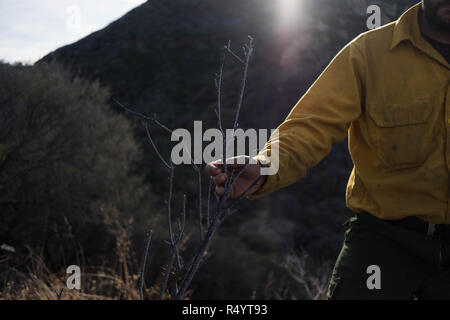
<point x="121" y="280"/>
<point x="38" y="282"/>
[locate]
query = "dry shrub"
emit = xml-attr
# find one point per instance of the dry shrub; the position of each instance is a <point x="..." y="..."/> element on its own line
<point x="312" y="277"/>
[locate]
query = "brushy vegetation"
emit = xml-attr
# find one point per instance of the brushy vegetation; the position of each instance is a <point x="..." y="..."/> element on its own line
<point x="70" y="195"/>
<point x="120" y="281"/>
<point x="66" y="170"/>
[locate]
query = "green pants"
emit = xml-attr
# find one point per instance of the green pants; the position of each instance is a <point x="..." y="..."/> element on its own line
<point x="380" y="260"/>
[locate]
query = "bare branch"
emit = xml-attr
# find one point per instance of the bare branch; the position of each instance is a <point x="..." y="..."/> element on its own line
<point x="232" y="181"/>
<point x="172" y="242"/>
<point x="59" y="295"/>
<point x="219" y="111"/>
<point x="141" y="279"/>
<point x="211" y="231"/>
<point x="243" y="81"/>
<point x="220" y="211"/>
<point x="154" y="146"/>
<point x="201" y="251"/>
<point x="200" y="205"/>
<point x="181" y="225"/>
<point x="143" y="116"/>
<point x="228" y="48"/>
<point x="159" y="124"/>
<point x="208" y="203"/>
<point x="173" y="285"/>
<point x="184" y="274"/>
<point x="245" y="193"/>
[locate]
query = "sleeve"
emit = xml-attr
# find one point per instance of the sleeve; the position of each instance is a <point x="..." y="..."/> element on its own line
<point x="320" y="118"/>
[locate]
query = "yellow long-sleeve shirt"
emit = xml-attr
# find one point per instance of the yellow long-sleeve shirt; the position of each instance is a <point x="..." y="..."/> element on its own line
<point x="388" y="90"/>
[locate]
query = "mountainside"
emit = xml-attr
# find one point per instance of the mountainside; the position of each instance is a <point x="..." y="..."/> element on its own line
<point x="163" y="54"/>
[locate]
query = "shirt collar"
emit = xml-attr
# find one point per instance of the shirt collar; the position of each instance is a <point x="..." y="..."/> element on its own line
<point x="407" y="27"/>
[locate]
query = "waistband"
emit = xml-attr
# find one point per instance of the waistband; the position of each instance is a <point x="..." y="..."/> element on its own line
<point x="416" y="224"/>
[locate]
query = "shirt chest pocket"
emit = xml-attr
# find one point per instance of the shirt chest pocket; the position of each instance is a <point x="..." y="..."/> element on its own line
<point x="401" y="132"/>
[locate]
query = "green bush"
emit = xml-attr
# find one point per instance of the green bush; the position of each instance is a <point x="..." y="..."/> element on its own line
<point x="66" y="166"/>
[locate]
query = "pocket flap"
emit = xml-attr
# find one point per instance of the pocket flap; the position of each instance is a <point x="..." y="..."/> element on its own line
<point x="400" y="114"/>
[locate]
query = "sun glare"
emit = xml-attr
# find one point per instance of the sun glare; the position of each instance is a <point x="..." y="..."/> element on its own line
<point x="288" y="12"/>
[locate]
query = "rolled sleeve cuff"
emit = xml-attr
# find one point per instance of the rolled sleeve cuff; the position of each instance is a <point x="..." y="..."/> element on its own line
<point x="271" y="181"/>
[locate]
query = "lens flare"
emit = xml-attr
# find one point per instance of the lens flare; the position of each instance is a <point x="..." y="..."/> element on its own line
<point x="288" y="12"/>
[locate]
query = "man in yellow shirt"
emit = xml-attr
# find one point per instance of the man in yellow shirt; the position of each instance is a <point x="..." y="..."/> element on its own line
<point x="388" y="90"/>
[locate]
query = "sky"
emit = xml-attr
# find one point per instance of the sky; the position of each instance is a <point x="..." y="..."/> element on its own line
<point x="29" y="29"/>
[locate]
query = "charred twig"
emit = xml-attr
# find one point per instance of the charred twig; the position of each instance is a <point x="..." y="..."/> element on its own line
<point x="211" y="231"/>
<point x="208" y="222"/>
<point x="245" y="193"/>
<point x="59" y="295"/>
<point x="145" y="119"/>
<point x="174" y="256"/>
<point x="143" y="116"/>
<point x="173" y="252"/>
<point x="200" y="215"/>
<point x="248" y="54"/>
<point x="228" y="48"/>
<point x="218" y="82"/>
<point x="220" y="211"/>
<point x="181" y="225"/>
<point x="186" y="273"/>
<point x="141" y="279"/>
<point x="154" y="146"/>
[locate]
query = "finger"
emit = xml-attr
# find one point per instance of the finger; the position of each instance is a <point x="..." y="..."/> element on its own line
<point x="237" y="162"/>
<point x="220" y="191"/>
<point x="220" y="178"/>
<point x="212" y="169"/>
